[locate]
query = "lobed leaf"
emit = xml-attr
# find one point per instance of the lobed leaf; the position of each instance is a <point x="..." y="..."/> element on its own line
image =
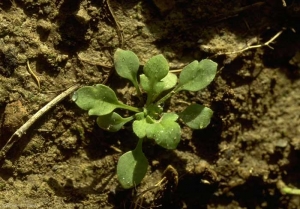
<point x="97" y="100"/>
<point x="197" y="75"/>
<point x="132" y="167"/>
<point x="196" y="116"/>
<point x="112" y="122"/>
<point x="166" y="132"/>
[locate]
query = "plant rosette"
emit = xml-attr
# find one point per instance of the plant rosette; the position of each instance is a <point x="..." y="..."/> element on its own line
<point x="150" y="120"/>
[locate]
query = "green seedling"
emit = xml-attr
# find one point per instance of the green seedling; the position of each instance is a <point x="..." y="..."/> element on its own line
<point x="150" y="121"/>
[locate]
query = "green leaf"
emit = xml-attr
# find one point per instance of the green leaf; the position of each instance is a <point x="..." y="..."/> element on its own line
<point x="132" y="167"/>
<point x="154" y="111"/>
<point x="156" y="68"/>
<point x="112" y="122"/>
<point x="166" y="132"/>
<point x="168" y="82"/>
<point x="98" y="99"/>
<point x="197" y="75"/>
<point x="139" y="115"/>
<point x="140" y="127"/>
<point x="126" y="64"/>
<point x="145" y="83"/>
<point x="196" y="116"/>
<point x="169" y="117"/>
<point x="155" y="88"/>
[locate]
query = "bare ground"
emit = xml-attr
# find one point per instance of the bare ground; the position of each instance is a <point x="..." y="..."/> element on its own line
<point x="64" y="160"/>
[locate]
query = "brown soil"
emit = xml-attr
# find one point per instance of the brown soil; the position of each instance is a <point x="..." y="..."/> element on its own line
<point x="64" y="160"/>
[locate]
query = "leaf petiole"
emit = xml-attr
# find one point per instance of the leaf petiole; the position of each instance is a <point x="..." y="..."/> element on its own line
<point x="167" y="96"/>
<point x="131" y="108"/>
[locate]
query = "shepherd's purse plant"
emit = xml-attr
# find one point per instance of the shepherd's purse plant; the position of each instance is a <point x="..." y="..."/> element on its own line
<point x="149" y="120"/>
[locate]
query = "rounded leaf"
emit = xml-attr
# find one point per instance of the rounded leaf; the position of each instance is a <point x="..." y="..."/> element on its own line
<point x="132" y="167"/>
<point x="155" y="88"/>
<point x="156" y="68"/>
<point x="139" y="127"/>
<point x="169" y="81"/>
<point x="145" y="83"/>
<point x="197" y="75"/>
<point x="97" y="100"/>
<point x="196" y="116"/>
<point x="112" y="122"/>
<point x="126" y="64"/>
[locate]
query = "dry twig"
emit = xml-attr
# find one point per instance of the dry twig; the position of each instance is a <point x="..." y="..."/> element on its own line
<point x="254" y="46"/>
<point x="118" y="26"/>
<point x="22" y="130"/>
<point x="34" y="75"/>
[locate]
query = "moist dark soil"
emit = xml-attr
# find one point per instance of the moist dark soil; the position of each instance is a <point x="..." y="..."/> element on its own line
<point x="243" y="159"/>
